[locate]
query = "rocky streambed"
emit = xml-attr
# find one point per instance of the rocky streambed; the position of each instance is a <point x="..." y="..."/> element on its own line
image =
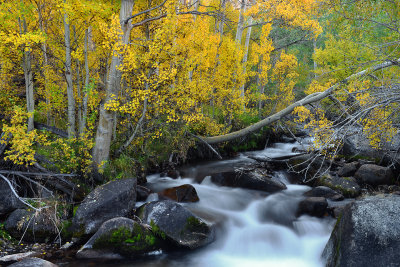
<point x="253" y="210"/>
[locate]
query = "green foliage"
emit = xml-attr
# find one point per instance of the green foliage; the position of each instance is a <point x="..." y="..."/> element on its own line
<point x="4" y="235"/>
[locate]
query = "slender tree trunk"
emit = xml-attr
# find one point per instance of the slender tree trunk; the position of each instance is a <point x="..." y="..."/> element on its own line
<point x="68" y="77"/>
<point x="101" y="151"/>
<point x="30" y="102"/>
<point x="221" y="23"/>
<point x="246" y="54"/>
<point x="239" y="30"/>
<point x="78" y="85"/>
<point x="86" y="89"/>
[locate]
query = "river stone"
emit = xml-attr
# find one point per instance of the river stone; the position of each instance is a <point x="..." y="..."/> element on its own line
<point x="177" y="223"/>
<point x="366" y="234"/>
<point x="183" y="193"/>
<point x="347" y="186"/>
<point x="372" y="174"/>
<point x="8" y="201"/>
<point x="249" y="180"/>
<point x="35" y="227"/>
<point x="314" y="206"/>
<point x="348" y="169"/>
<point x="119" y="238"/>
<point x="114" y="199"/>
<point x="17" y="257"/>
<point x="324" y="191"/>
<point x="308" y="165"/>
<point x="33" y="262"/>
<point x="142" y="193"/>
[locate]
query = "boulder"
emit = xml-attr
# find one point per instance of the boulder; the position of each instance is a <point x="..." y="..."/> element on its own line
<point x="9" y="259"/>
<point x="249" y="180"/>
<point x="366" y="234"/>
<point x="372" y="174"/>
<point x="348" y="169"/>
<point x="33" y="262"/>
<point x="347" y="186"/>
<point x="176" y="223"/>
<point x="314" y="206"/>
<point x="308" y="165"/>
<point x="324" y="191"/>
<point x="183" y="193"/>
<point x="114" y="199"/>
<point x="119" y="238"/>
<point x="142" y="193"/>
<point x="8" y="201"/>
<point x="35" y="227"/>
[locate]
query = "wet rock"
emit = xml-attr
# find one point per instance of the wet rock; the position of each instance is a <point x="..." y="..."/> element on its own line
<point x="314" y="206"/>
<point x="308" y="165"/>
<point x="33" y="262"/>
<point x="366" y="234"/>
<point x="372" y="174"/>
<point x="183" y="193"/>
<point x="142" y="193"/>
<point x="347" y="186"/>
<point x="36" y="227"/>
<point x="8" y="201"/>
<point x="119" y="238"/>
<point x="176" y="223"/>
<point x="324" y="191"/>
<point x="335" y="208"/>
<point x="9" y="259"/>
<point x="250" y="180"/>
<point x="114" y="199"/>
<point x="348" y="169"/>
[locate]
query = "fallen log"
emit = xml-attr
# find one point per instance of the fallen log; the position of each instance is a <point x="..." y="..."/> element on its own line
<point x="289" y="109"/>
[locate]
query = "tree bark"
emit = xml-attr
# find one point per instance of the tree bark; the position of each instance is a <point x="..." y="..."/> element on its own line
<point x="239" y="30"/>
<point x="30" y="102"/>
<point x="85" y="95"/>
<point x="246" y="54"/>
<point x="68" y="77"/>
<point x="101" y="151"/>
<point x="306" y="100"/>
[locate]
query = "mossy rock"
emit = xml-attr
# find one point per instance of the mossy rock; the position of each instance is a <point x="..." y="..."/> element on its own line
<point x="347" y="186"/>
<point x="120" y="237"/>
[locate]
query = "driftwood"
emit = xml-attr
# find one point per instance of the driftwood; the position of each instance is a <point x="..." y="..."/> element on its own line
<point x="275" y="159"/>
<point x="315" y="97"/>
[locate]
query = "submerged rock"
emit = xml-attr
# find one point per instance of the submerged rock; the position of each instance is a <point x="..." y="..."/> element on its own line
<point x="372" y="174"/>
<point x="118" y="238"/>
<point x="366" y="234"/>
<point x="176" y="223"/>
<point x="314" y="206"/>
<point x="249" y="180"/>
<point x="183" y="193"/>
<point x="33" y="262"/>
<point x="114" y="199"/>
<point x="35" y="227"/>
<point x="347" y="186"/>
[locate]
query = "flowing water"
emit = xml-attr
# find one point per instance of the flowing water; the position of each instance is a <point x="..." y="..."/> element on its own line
<point x="253" y="228"/>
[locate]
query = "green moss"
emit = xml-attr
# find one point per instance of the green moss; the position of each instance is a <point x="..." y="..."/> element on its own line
<point x="156" y="230"/>
<point x="128" y="241"/>
<point x="194" y="224"/>
<point x="65" y="230"/>
<point x="74" y="210"/>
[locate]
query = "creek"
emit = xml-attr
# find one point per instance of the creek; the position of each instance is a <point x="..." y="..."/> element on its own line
<point x="253" y="228"/>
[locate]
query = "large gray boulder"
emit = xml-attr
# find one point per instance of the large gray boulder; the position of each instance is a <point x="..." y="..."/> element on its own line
<point x="8" y="201"/>
<point x="33" y="262"/>
<point x="324" y="191"/>
<point x="176" y="223"/>
<point x="367" y="233"/>
<point x="248" y="179"/>
<point x="35" y="227"/>
<point x="372" y="174"/>
<point x="114" y="199"/>
<point x="119" y="238"/>
<point x="308" y="165"/>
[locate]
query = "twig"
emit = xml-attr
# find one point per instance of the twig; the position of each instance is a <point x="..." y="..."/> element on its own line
<point x="207" y="144"/>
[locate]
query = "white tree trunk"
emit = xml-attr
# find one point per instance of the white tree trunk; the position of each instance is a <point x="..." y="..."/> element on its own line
<point x="30" y="102"/>
<point x="239" y="30"/>
<point x="246" y="53"/>
<point x="68" y="77"/>
<point x="101" y="151"/>
<point x="85" y="95"/>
